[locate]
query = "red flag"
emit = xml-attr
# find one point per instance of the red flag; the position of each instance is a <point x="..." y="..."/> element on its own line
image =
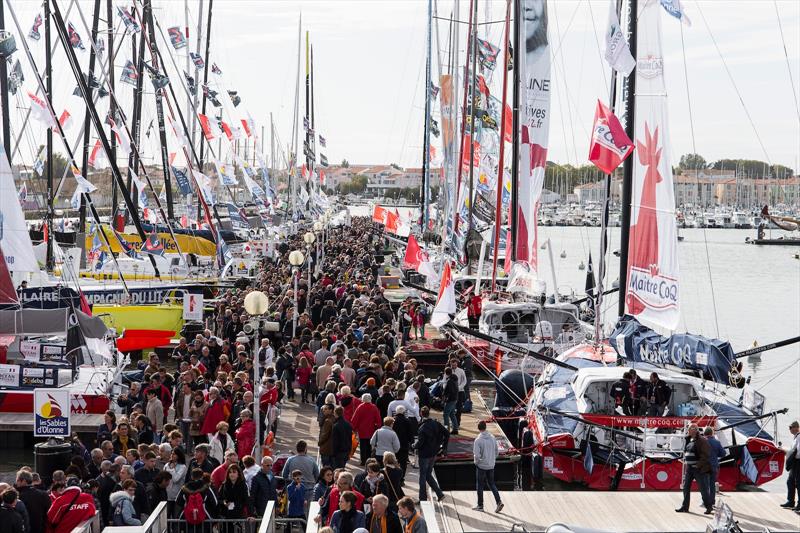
<point x="476" y="158"/>
<point x="85" y="304"/>
<point x="45" y="232"/>
<point x="65" y="119"/>
<point x="172" y="157"/>
<point x="246" y="127"/>
<point x="509" y="129"/>
<point x="322" y="177"/>
<point x="392" y="221"/>
<point x="206" y="125"/>
<point x="95" y="152"/>
<point x="304" y="172"/>
<point x="414" y="254"/>
<point x="226" y="129"/>
<point x="446" y="302"/>
<point x="379" y="215"/>
<point x="610" y="145"/>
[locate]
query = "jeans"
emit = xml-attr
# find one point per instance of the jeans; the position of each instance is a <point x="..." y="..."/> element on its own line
<point x="712" y="485"/>
<point x="366" y="450"/>
<point x="483" y="477"/>
<point x="450" y="419"/>
<point x="340" y="460"/>
<point x="406" y="335"/>
<point x="426" y="477"/>
<point x="460" y="405"/>
<point x="328" y="460"/>
<point x="793" y="485"/>
<point x="702" y="479"/>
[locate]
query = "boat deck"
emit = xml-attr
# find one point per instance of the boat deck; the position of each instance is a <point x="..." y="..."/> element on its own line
<point x="608" y="511"/>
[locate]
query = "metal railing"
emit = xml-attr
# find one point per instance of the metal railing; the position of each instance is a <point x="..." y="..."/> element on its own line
<point x="92" y="525"/>
<point x="214" y="525"/>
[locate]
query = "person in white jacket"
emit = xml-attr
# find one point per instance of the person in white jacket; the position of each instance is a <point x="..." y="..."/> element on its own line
<point x="484" y="451"/>
<point x="177" y="469"/>
<point x="221" y="442"/>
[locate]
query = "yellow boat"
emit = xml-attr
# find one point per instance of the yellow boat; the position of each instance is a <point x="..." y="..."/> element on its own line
<point x="163" y="317"/>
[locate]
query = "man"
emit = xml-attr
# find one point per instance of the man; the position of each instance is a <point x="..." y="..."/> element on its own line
<point x="96" y="457"/>
<point x="140" y="498"/>
<point x="474" y="302"/>
<point x="385" y="440"/>
<point x="459" y="373"/>
<point x="717" y="452"/>
<point x="109" y="472"/>
<point x="342" y="435"/>
<point x="432" y="441"/>
<point x="793" y="466"/>
<point x="147" y="473"/>
<point x="697" y="467"/>
<point x="638" y="391"/>
<point x="324" y="372"/>
<point x="380" y="520"/>
<point x="36" y="501"/>
<point x="406" y="431"/>
<point x="412" y="520"/>
<point x="658" y="395"/>
<point x="219" y="473"/>
<point x="12" y="521"/>
<point x="620" y="393"/>
<point x="202" y="460"/>
<point x="450" y="399"/>
<point x="264" y="486"/>
<point x="197" y="485"/>
<point x="265" y="354"/>
<point x="366" y="421"/>
<point x="484" y="451"/>
<point x="325" y="440"/>
<point x="305" y="464"/>
<point x="322" y="354"/>
<point x="69" y="509"/>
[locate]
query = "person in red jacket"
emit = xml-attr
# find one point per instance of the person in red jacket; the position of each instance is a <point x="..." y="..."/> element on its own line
<point x="348" y="402"/>
<point x="70" y="509"/>
<point x="218" y="411"/>
<point x="331" y="504"/>
<point x="269" y="398"/>
<point x="366" y="420"/>
<point x="246" y="434"/>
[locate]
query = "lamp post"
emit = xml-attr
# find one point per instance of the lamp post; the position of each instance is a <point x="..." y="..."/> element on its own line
<point x="318" y="232"/>
<point x="309" y="239"/>
<point x="295" y="259"/>
<point x="256" y="304"/>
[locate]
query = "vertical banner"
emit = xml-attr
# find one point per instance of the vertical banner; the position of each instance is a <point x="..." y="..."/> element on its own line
<point x="51" y="413"/>
<point x="652" y="293"/>
<point x="534" y="91"/>
<point x="193" y="307"/>
<point x="15" y="241"/>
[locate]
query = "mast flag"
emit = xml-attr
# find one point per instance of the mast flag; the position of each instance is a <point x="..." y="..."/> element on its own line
<point x="618" y="54"/>
<point x="610" y="146"/>
<point x="653" y="278"/>
<point x="446" y="303"/>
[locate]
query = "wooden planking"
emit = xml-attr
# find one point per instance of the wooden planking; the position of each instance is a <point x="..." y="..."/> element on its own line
<point x="609" y="511"/>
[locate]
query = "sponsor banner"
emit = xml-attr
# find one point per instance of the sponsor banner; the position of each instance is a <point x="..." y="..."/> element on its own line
<point x="38" y="377"/>
<point x="30" y="350"/>
<point x="652" y="285"/>
<point x="534" y="126"/>
<point x="193" y="307"/>
<point x="651" y="422"/>
<point x="51" y="413"/>
<point x="9" y="375"/>
<point x="188" y="243"/>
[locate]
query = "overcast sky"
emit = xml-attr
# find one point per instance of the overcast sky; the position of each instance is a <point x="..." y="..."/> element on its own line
<point x="369" y="58"/>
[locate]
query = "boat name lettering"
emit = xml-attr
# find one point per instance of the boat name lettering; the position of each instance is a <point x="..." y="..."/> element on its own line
<point x="655" y="290"/>
<point x="631" y="477"/>
<point x="137" y="297"/>
<point x="677" y="354"/>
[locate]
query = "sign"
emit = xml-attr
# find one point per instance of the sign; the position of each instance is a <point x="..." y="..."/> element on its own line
<point x="29" y="350"/>
<point x="38" y="377"/>
<point x="652" y="422"/>
<point x="51" y="413"/>
<point x="193" y="307"/>
<point x="9" y="375"/>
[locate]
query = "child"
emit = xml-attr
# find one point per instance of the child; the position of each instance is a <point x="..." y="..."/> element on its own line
<point x="296" y="494"/>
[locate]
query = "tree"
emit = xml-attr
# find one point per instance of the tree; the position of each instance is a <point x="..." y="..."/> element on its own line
<point x="692" y="162"/>
<point x="395" y="166"/>
<point x="345" y="163"/>
<point x="60" y="165"/>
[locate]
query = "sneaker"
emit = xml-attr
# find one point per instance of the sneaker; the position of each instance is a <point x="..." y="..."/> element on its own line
<point x="709" y="510"/>
<point x="681" y="510"/>
<point x="454" y="432"/>
<point x="499" y="507"/>
<point x="441" y="497"/>
<point x="787" y="505"/>
<point x="478" y="508"/>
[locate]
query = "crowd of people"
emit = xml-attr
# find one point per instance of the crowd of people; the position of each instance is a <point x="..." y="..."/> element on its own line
<point x="185" y="431"/>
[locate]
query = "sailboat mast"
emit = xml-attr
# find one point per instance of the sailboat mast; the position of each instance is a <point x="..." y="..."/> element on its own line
<point x="513" y="218"/>
<point x="307" y="122"/>
<point x="426" y="129"/>
<point x="196" y="70"/>
<point x="112" y="109"/>
<point x="4" y="94"/>
<point x="472" y="107"/>
<point x="136" y="123"/>
<point x="205" y="77"/>
<point x="86" y="130"/>
<point x="48" y="69"/>
<point x="463" y="122"/>
<point x="629" y="95"/>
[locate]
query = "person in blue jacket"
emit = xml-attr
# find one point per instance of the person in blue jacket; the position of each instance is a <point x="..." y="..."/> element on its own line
<point x="295" y="492"/>
<point x="347" y="519"/>
<point x="717" y="453"/>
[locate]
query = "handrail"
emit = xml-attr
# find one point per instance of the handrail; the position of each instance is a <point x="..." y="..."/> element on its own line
<point x="428" y="511"/>
<point x="313" y="511"/>
<point x="268" y="519"/>
<point x="90" y="525"/>
<point x="157" y="521"/>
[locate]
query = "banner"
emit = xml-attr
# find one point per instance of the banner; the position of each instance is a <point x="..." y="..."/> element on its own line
<point x="193" y="307"/>
<point x="617" y="54"/>
<point x="15" y="241"/>
<point x="176" y="38"/>
<point x="652" y="292"/>
<point x="610" y="146"/>
<point x="51" y="413"/>
<point x="9" y="375"/>
<point x="534" y="126"/>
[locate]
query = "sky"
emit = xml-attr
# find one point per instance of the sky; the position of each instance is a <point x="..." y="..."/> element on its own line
<point x="731" y="66"/>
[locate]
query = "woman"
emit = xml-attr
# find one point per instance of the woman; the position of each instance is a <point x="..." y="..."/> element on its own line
<point x="324" y="483"/>
<point x="246" y="434"/>
<point x="197" y="413"/>
<point x="347" y="519"/>
<point x="233" y="494"/>
<point x="304" y="379"/>
<point x="221" y="442"/>
<point x="177" y="469"/>
<point x="122" y="510"/>
<point x="106" y="429"/>
<point x="144" y="429"/>
<point x="393" y="475"/>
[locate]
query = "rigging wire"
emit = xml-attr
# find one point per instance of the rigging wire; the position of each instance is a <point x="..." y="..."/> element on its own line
<point x="788" y="64"/>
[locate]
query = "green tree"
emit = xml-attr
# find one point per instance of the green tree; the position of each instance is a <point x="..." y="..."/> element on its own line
<point x="60" y="165"/>
<point x="692" y="162"/>
<point x="345" y="163"/>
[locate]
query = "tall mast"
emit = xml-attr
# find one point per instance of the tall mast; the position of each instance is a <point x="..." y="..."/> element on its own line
<point x="511" y="247"/>
<point x="463" y="120"/>
<point x="113" y="105"/>
<point x="426" y="129"/>
<point x="205" y="75"/>
<point x="136" y="123"/>
<point x="627" y="169"/>
<point x="86" y="130"/>
<point x="48" y="69"/>
<point x="196" y="71"/>
<point x="472" y="106"/>
<point x="307" y="147"/>
<point x="4" y="93"/>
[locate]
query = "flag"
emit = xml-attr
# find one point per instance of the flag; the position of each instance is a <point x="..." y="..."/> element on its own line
<point x="162" y="196"/>
<point x="378" y="213"/>
<point x="97" y="152"/>
<point x="129" y="73"/>
<point x="41" y="112"/>
<point x="127" y="248"/>
<point x="322" y="141"/>
<point x="748" y="467"/>
<point x="74" y="39"/>
<point x="235" y="98"/>
<point x="83" y="187"/>
<point x="101" y="260"/>
<point x="128" y="20"/>
<point x="65" y="120"/>
<point x="225" y="173"/>
<point x="197" y="60"/>
<point x="610" y="146"/>
<point x="153" y="244"/>
<point x="446" y="302"/>
<point x="305" y="123"/>
<point x="190" y="83"/>
<point x="590" y="285"/>
<point x="34" y="33"/>
<point x="434" y="91"/>
<point x="487" y="54"/>
<point x="392" y="221"/>
<point x="122" y="136"/>
<point x="588" y="460"/>
<point x="149" y="215"/>
<point x="210" y="129"/>
<point x="38" y="165"/>
<point x="304" y="172"/>
<point x="224" y="126"/>
<point x="323" y="160"/>
<point x="674" y="8"/>
<point x="182" y="180"/>
<point x="246" y="126"/>
<point x="617" y="54"/>
<point x="414" y="254"/>
<point x="97" y="243"/>
<point x="23" y="193"/>
<point x="16" y="78"/>
<point x="216" y="70"/>
<point x="176" y="38"/>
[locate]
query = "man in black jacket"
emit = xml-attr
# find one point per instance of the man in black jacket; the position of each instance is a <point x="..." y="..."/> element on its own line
<point x="381" y="518"/>
<point x="11" y="520"/>
<point x="264" y="487"/>
<point x="202" y="460"/>
<point x="620" y="393"/>
<point x="406" y="430"/>
<point x="342" y="438"/>
<point x="198" y="485"/>
<point x="432" y="441"/>
<point x="108" y="484"/>
<point x="36" y="501"/>
<point x="658" y="394"/>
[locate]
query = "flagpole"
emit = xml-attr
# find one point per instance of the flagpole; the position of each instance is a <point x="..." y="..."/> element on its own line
<point x="48" y="69"/>
<point x="470" y="223"/>
<point x="205" y="81"/>
<point x="500" y="172"/>
<point x="4" y="94"/>
<point x="463" y="122"/>
<point x="426" y="128"/>
<point x="136" y="122"/>
<point x="513" y="209"/>
<point x="627" y="178"/>
<point x="112" y="108"/>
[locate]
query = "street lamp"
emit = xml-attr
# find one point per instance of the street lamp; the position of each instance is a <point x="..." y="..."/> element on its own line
<point x="309" y="239"/>
<point x="296" y="259"/>
<point x="256" y="304"/>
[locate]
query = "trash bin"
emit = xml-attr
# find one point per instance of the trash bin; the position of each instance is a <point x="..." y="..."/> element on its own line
<point x="51" y="456"/>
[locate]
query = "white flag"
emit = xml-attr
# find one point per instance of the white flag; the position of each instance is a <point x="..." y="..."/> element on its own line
<point x="618" y="54"/>
<point x="446" y="303"/>
<point x="41" y="111"/>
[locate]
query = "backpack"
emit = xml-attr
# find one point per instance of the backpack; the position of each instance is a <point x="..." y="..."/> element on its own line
<point x="195" y="511"/>
<point x="116" y="516"/>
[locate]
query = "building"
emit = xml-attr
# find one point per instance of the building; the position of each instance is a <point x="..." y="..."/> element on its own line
<point x="595" y="192"/>
<point x="695" y="190"/>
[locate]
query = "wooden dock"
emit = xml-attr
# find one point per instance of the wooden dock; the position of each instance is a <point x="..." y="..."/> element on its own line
<point x="608" y="511"/>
